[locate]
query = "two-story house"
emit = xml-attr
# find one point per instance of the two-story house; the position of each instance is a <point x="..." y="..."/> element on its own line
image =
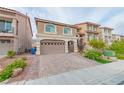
<point x="122" y="37"/>
<point x="88" y="31"/>
<point x="116" y="37"/>
<point x="15" y="31"/>
<point x="106" y="34"/>
<point x="55" y="37"/>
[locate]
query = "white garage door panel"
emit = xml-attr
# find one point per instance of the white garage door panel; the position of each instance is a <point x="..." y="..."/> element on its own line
<point x="52" y="47"/>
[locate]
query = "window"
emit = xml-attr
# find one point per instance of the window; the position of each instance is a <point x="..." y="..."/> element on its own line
<point x="2" y="25"/>
<point x="89" y="27"/>
<point x="94" y="28"/>
<point x="5" y="41"/>
<point x="5" y="26"/>
<point x="50" y="28"/>
<point x="8" y="26"/>
<point x="67" y="31"/>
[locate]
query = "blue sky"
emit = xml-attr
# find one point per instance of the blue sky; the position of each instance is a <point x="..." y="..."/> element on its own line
<point x="110" y="17"/>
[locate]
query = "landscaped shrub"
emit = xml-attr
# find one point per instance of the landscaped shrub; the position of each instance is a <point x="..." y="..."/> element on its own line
<point x="98" y="44"/>
<point x="118" y="47"/>
<point x="24" y="58"/>
<point x="7" y="72"/>
<point x="102" y="60"/>
<point x="120" y="56"/>
<point x="11" y="53"/>
<point x="95" y="55"/>
<point x="92" y="54"/>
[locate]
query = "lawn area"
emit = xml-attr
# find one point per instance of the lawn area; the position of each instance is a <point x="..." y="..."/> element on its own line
<point x="103" y="53"/>
<point x="103" y="61"/>
<point x="98" y="52"/>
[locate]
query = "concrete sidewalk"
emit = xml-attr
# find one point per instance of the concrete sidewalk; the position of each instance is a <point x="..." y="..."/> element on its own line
<point x="112" y="73"/>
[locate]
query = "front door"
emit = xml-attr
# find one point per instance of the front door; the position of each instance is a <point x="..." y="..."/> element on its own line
<point x="70" y="46"/>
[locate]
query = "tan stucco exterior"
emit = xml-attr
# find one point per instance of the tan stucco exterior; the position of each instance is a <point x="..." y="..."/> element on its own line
<point x="41" y="34"/>
<point x="86" y="33"/>
<point x="22" y="32"/>
<point x="106" y="34"/>
<point x="116" y="37"/>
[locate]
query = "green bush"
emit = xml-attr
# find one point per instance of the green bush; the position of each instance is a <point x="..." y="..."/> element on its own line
<point x="98" y="44"/>
<point x="92" y="54"/>
<point x="120" y="56"/>
<point x="24" y="58"/>
<point x="11" y="53"/>
<point x="102" y="60"/>
<point x="95" y="55"/>
<point x="117" y="46"/>
<point x="7" y="72"/>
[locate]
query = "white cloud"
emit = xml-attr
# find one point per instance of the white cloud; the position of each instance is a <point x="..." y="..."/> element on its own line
<point x="97" y="14"/>
<point x="75" y="15"/>
<point x="117" y="22"/>
<point x="60" y="14"/>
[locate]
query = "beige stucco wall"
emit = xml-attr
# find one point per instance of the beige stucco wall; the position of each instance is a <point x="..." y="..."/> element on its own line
<point x="59" y="29"/>
<point x="22" y="35"/>
<point x="83" y="29"/>
<point x="116" y="37"/>
<point x="57" y="36"/>
<point x="108" y="35"/>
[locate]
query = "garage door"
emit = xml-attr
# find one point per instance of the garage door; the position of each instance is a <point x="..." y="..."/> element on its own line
<point x="52" y="46"/>
<point x="5" y="45"/>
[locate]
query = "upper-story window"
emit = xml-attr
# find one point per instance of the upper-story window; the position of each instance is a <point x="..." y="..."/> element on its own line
<point x="67" y="31"/>
<point x="105" y="31"/>
<point x="5" y="26"/>
<point x="109" y="32"/>
<point x="94" y="28"/>
<point x="91" y="28"/>
<point x="50" y="28"/>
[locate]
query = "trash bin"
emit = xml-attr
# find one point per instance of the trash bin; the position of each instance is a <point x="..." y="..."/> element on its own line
<point x="33" y="51"/>
<point x="109" y="53"/>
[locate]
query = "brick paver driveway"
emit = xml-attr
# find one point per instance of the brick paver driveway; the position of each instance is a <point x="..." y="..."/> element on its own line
<point x="59" y="63"/>
<point x="48" y="65"/>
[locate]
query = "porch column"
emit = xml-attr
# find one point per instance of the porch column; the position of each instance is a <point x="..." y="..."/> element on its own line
<point x="14" y="24"/>
<point x="66" y="46"/>
<point x="38" y="47"/>
<point x="15" y="44"/>
<point x="75" y="46"/>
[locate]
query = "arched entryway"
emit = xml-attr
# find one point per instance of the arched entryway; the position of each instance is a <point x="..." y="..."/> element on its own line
<point x="49" y="46"/>
<point x="70" y="46"/>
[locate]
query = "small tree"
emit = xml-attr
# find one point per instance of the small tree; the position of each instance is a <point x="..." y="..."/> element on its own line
<point x="11" y="53"/>
<point x="117" y="46"/>
<point x="98" y="44"/>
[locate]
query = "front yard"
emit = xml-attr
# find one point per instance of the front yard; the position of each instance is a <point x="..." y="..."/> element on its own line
<point x="103" y="53"/>
<point x="34" y="67"/>
<point x="48" y="65"/>
<point x="30" y="60"/>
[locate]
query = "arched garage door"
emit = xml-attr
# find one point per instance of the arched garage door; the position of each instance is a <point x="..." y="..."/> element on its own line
<point x="52" y="46"/>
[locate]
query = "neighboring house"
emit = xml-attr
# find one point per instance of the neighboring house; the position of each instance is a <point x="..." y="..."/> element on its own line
<point x="116" y="37"/>
<point x="55" y="37"/>
<point x="15" y="31"/>
<point x="106" y="34"/>
<point x="122" y="37"/>
<point x="88" y="31"/>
